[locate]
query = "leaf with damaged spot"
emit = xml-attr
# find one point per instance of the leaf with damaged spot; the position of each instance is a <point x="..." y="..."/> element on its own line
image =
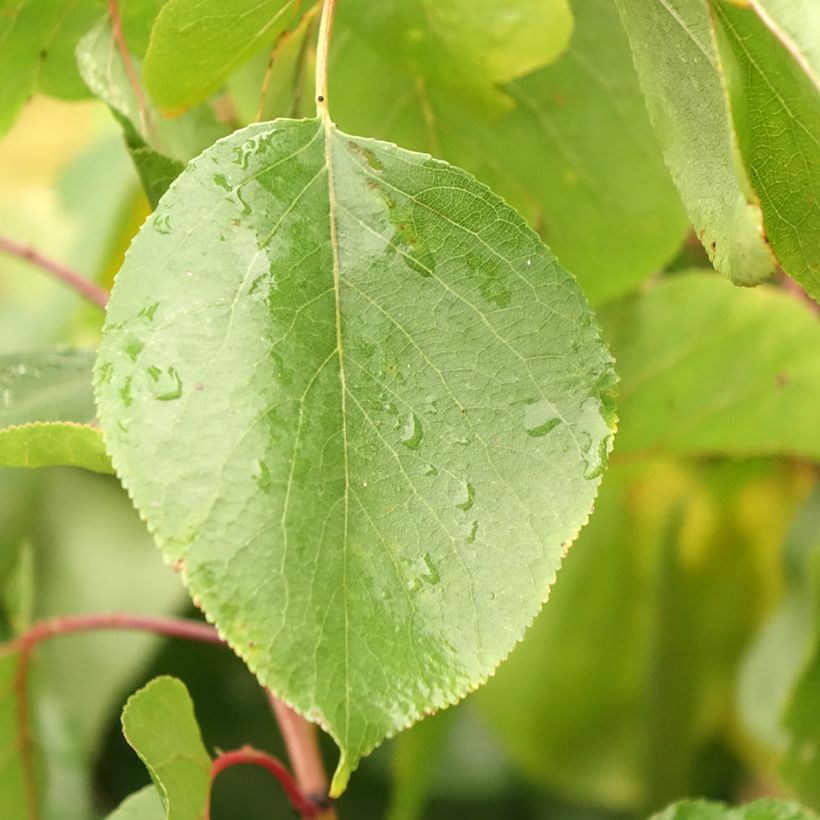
<point x="350" y="388"/>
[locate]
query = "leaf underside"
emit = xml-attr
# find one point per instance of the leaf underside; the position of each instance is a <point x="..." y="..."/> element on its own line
<point x="359" y="401"/>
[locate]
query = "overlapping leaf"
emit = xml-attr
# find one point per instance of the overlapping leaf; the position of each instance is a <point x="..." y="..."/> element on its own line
<point x="759" y="810"/>
<point x="364" y="408"/>
<point x="570" y="145"/>
<point x="46" y="410"/>
<point x="775" y="102"/>
<point x="675" y="54"/>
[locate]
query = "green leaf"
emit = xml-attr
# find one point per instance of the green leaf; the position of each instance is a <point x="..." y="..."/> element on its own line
<point x="196" y="44"/>
<point x="781" y="652"/>
<point x="47" y="404"/>
<point x="775" y="103"/>
<point x="799" y="22"/>
<point x="498" y="42"/>
<point x="142" y="805"/>
<point x="46" y="386"/>
<point x="616" y="701"/>
<point x="676" y="58"/>
<point x="575" y="152"/>
<point x="759" y="810"/>
<point x="159" y="723"/>
<point x="368" y="412"/>
<point x="43" y="444"/>
<point x="159" y="147"/>
<point x="697" y="380"/>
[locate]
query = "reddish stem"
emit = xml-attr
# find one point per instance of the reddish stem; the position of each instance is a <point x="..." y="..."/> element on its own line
<point x="247" y="755"/>
<point x="88" y="290"/>
<point x="146" y="124"/>
<point x="66" y="625"/>
<point x="300" y="740"/>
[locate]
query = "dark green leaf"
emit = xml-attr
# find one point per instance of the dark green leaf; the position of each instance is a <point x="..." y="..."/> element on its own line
<point x="697" y="376"/>
<point x="676" y="57"/>
<point x="775" y="103"/>
<point x="159" y="723"/>
<point x="354" y="395"/>
<point x="196" y="44"/>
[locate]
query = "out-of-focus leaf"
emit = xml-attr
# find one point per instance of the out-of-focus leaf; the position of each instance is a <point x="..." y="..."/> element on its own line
<point x="782" y="650"/>
<point x="676" y="57"/>
<point x="48" y="386"/>
<point x="159" y="723"/>
<point x="47" y="443"/>
<point x="103" y="562"/>
<point x="142" y="805"/>
<point x="415" y="761"/>
<point x="392" y="343"/>
<point x="759" y="810"/>
<point x="801" y="715"/>
<point x="709" y="369"/>
<point x="45" y="409"/>
<point x="616" y="700"/>
<point x="775" y="105"/>
<point x="575" y="152"/>
<point x="159" y="147"/>
<point x="498" y="42"/>
<point x="196" y="44"/>
<point x="797" y="21"/>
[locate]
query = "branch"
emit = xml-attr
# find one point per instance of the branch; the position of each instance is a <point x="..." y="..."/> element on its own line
<point x="146" y="123"/>
<point x="299" y="736"/>
<point x="25" y="644"/>
<point x="306" y="807"/>
<point x="88" y="290"/>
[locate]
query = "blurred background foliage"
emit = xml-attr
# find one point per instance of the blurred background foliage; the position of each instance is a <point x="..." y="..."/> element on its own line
<point x="679" y="653"/>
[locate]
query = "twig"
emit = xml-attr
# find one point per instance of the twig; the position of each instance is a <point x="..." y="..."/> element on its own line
<point x="247" y="755"/>
<point x="322" y="57"/>
<point x="146" y="123"/>
<point x="25" y="644"/>
<point x="299" y="736"/>
<point x="88" y="290"/>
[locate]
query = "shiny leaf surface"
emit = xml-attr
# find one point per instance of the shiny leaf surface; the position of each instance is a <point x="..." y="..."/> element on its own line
<point x="363" y="407"/>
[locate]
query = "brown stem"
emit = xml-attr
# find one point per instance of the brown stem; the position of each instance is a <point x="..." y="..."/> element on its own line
<point x="88" y="290"/>
<point x="247" y="755"/>
<point x="25" y="644"/>
<point x="301" y="743"/>
<point x="146" y="123"/>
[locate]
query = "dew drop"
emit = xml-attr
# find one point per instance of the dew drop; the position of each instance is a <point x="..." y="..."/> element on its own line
<point x="473" y="532"/>
<point x="165" y="385"/>
<point x="431" y="470"/>
<point x="411" y="433"/>
<point x="466" y="497"/>
<point x="539" y="418"/>
<point x="133" y="347"/>
<point x="262" y="476"/>
<point x="125" y="393"/>
<point x="8" y="397"/>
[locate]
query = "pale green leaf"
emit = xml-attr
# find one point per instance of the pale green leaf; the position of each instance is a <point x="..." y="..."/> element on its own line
<point x="675" y="54"/>
<point x="46" y="443"/>
<point x="797" y="21"/>
<point x="575" y="152"/>
<point x="775" y="103"/>
<point x="142" y="805"/>
<point x="711" y="370"/>
<point x="196" y="44"/>
<point x="615" y="700"/>
<point x="499" y="41"/>
<point x="159" y="723"/>
<point x="759" y="810"/>
<point x="352" y="393"/>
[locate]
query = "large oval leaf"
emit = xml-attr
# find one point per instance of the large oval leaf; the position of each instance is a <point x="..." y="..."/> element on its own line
<point x="363" y="407"/>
